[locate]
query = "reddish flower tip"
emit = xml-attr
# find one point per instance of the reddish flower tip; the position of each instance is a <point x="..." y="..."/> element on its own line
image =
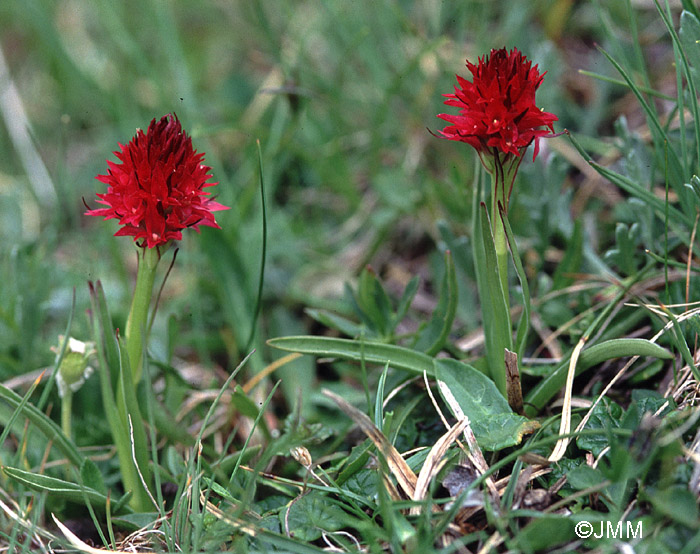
<point x="156" y="190"/>
<point x="497" y="108"/>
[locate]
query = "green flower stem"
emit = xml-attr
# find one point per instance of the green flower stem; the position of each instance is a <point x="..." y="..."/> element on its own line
<point x="137" y="324"/>
<point x="66" y="409"/>
<point x="499" y="240"/>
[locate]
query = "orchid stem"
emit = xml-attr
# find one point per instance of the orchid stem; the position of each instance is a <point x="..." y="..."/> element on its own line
<point x="498" y="229"/>
<point x="137" y="323"/>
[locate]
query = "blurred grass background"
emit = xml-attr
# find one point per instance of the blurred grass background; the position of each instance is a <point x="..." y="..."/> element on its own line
<point x="341" y="96"/>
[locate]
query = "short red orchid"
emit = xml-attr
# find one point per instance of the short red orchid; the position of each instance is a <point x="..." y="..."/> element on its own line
<point x="157" y="189"/>
<point x="498" y="110"/>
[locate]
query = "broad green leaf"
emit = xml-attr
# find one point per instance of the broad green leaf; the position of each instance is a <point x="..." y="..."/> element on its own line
<point x="136" y="522"/>
<point x="57" y="487"/>
<point x="593" y="355"/>
<point x="372" y="352"/>
<point x="364" y="482"/>
<point x="312" y="514"/>
<point x="433" y="337"/>
<point x="494" y="424"/>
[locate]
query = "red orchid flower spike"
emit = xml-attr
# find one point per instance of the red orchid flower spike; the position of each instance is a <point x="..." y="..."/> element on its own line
<point x="158" y="188"/>
<point x="497" y="108"/>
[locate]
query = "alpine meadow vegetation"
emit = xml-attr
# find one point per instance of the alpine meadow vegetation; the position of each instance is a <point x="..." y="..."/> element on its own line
<point x="335" y="291"/>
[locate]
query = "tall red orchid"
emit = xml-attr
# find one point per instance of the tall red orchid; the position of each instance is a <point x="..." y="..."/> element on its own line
<point x="157" y="189"/>
<point x="497" y="108"/>
<point x="500" y="119"/>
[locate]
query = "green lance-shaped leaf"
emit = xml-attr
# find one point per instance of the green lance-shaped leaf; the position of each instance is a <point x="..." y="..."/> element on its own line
<point x="407" y="297"/>
<point x="433" y="337"/>
<point x="591" y="356"/>
<point x="43" y="423"/>
<point x="372" y="352"/>
<point x="111" y="378"/>
<point x="128" y="405"/>
<point x="494" y="308"/>
<point x="58" y="488"/>
<point x="374" y="303"/>
<point x="524" y="323"/>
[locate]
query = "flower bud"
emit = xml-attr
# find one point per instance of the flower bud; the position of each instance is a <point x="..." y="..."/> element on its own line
<point x="74" y="368"/>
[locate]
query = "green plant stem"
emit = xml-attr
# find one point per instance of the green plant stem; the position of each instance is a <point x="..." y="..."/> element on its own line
<point x="499" y="240"/>
<point x="66" y="409"/>
<point x="137" y="323"/>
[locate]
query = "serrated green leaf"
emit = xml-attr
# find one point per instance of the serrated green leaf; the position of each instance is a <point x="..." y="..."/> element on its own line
<point x="606" y="415"/>
<point x="364" y="483"/>
<point x="309" y="516"/>
<point x="494" y="424"/>
<point x="372" y="352"/>
<point x="584" y="477"/>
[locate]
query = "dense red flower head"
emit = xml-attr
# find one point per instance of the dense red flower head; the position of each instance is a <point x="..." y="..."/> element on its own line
<point x="157" y="189"/>
<point x="498" y="106"/>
